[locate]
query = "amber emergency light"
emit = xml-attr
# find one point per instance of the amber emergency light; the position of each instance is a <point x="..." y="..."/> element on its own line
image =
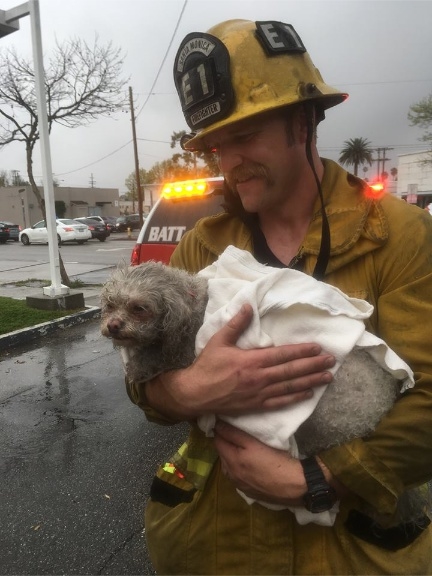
<point x="186" y="189"/>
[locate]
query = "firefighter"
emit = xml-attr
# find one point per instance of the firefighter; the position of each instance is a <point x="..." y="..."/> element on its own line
<point x="251" y="94"/>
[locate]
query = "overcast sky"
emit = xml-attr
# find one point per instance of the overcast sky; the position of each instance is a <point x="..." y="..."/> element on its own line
<point x="380" y="52"/>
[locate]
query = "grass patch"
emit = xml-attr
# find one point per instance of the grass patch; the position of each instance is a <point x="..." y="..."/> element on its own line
<point x="15" y="315"/>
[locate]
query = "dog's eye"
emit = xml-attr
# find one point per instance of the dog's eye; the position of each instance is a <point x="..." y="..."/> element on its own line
<point x="140" y="309"/>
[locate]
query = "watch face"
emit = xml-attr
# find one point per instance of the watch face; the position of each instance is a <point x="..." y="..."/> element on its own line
<point x="320" y="496"/>
<point x="321" y="500"/>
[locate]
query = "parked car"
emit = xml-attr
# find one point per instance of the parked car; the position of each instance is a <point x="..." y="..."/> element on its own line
<point x="14" y="230"/>
<point x="129" y="221"/>
<point x="4" y="233"/>
<point x="179" y="207"/>
<point x="110" y="222"/>
<point x="68" y="230"/>
<point x="100" y="219"/>
<point x="98" y="229"/>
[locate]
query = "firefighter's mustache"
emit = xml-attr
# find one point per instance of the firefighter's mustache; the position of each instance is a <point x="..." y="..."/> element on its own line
<point x="242" y="173"/>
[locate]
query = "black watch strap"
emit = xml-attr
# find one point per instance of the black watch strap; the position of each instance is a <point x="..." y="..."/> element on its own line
<point x="320" y="496"/>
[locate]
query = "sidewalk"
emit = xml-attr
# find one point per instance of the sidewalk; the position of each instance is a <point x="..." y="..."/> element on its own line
<point x="15" y="283"/>
<point x="11" y="290"/>
<point x="92" y="310"/>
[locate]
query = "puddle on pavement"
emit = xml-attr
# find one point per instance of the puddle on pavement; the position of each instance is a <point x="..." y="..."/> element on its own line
<point x="52" y="389"/>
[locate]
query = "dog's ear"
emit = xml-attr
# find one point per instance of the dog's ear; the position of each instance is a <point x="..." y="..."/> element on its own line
<point x="184" y="314"/>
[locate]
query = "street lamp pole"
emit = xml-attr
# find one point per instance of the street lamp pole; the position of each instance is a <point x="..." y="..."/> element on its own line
<point x="9" y="23"/>
<point x="56" y="288"/>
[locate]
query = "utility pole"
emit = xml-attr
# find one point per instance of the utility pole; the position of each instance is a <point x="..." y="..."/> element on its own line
<point x="380" y="160"/>
<point x="137" y="174"/>
<point x="384" y="159"/>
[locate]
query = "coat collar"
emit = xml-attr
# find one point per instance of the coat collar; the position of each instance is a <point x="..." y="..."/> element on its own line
<point x="357" y="223"/>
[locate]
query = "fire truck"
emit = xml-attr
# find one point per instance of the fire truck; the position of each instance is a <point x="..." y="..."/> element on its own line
<point x="180" y="206"/>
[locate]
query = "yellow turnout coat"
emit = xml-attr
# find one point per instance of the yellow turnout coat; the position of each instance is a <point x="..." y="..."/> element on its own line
<point x="381" y="250"/>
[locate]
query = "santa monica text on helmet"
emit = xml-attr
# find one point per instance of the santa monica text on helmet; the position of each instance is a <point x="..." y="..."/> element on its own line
<point x="194" y="45"/>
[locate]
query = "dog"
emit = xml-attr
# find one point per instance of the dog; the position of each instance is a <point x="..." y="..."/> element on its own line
<point x="153" y="312"/>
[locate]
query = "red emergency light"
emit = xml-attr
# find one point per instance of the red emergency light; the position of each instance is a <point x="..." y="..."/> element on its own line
<point x="375" y="189"/>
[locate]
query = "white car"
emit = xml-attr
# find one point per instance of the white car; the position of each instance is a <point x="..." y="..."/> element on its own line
<point x="68" y="230"/>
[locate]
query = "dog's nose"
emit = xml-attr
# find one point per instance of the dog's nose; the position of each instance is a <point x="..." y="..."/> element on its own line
<point x="114" y="326"/>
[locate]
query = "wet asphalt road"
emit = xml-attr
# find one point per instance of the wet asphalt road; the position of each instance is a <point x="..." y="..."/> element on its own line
<point x="77" y="459"/>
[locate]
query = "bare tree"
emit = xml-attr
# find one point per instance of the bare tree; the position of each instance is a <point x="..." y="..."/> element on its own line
<point x="82" y="83"/>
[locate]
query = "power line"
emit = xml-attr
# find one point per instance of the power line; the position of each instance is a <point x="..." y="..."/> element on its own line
<point x="93" y="163"/>
<point x="322" y="148"/>
<point x="333" y="83"/>
<point x="164" y="58"/>
<point x="147" y="99"/>
<point x="159" y="141"/>
<point x="330" y="148"/>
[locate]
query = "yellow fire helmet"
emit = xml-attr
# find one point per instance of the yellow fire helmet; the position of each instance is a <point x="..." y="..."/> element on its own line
<point x="240" y="68"/>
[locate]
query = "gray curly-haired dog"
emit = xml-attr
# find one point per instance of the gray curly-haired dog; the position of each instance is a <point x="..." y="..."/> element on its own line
<point x="153" y="312"/>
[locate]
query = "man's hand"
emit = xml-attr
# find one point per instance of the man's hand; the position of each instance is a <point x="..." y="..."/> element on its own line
<point x="261" y="472"/>
<point x="226" y="379"/>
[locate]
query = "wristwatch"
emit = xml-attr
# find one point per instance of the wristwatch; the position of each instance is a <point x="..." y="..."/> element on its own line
<point x="320" y="496"/>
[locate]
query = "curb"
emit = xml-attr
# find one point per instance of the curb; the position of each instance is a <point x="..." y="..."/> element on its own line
<point x="28" y="334"/>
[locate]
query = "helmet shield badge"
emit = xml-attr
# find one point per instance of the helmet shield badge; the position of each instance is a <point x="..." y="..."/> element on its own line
<point x="203" y="81"/>
<point x="240" y="68"/>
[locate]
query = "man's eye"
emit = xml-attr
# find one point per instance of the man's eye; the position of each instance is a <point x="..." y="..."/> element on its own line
<point x="236" y="139"/>
<point x="245" y="137"/>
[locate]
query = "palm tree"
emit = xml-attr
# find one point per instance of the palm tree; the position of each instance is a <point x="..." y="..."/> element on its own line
<point x="356" y="151"/>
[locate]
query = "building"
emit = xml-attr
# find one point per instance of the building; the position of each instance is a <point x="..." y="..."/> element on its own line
<point x="150" y="193"/>
<point x="414" y="182"/>
<point x="18" y="204"/>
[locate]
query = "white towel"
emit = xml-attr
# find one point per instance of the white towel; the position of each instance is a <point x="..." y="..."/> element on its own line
<point x="289" y="307"/>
